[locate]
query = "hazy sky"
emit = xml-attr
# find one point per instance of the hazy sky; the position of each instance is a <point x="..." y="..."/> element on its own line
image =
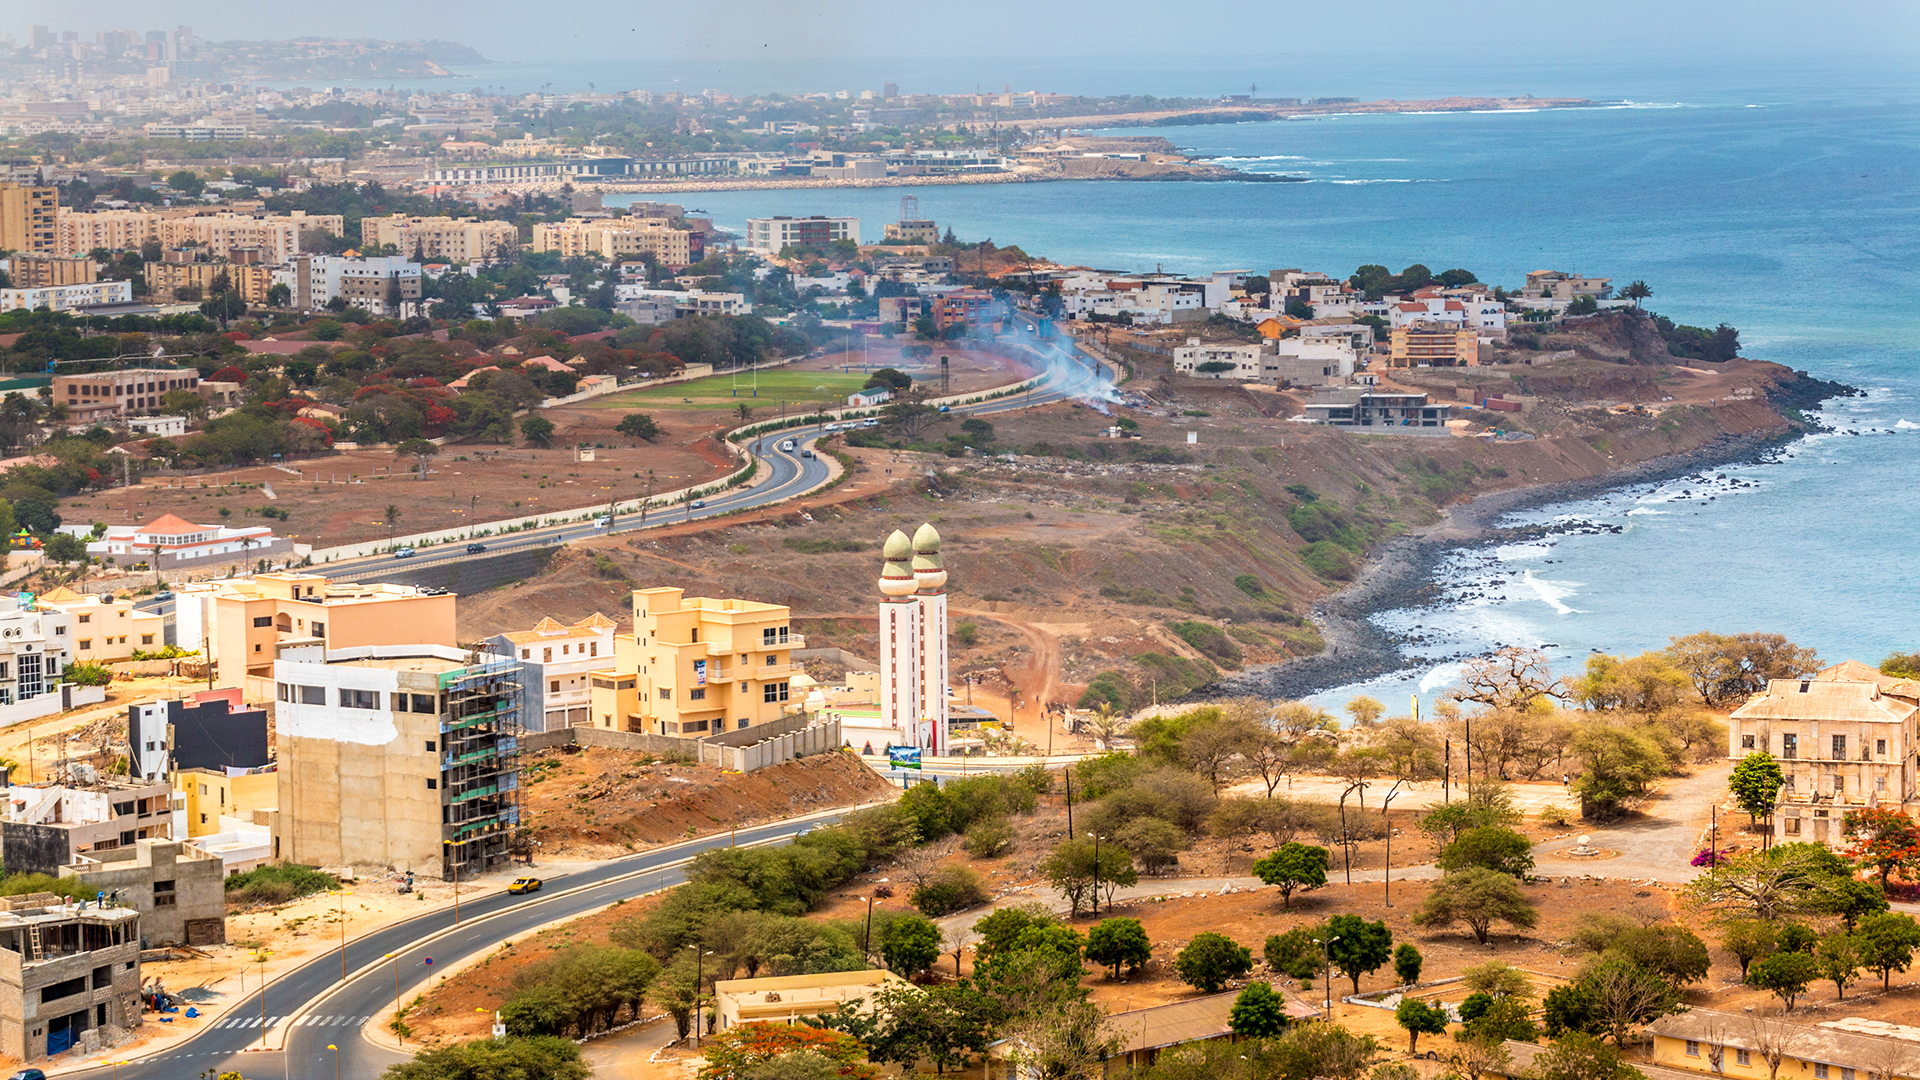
<point x="1628" y="31"/>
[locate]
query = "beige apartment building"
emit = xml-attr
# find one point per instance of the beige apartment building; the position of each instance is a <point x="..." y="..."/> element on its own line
<point x="104" y="395"/>
<point x="697" y="666"/>
<point x="219" y="232"/>
<point x="441" y="239"/>
<point x="45" y="271"/>
<point x="247" y="622"/>
<point x="27" y="216"/>
<point x="913" y="231"/>
<point x="106" y="631"/>
<point x="617" y="237"/>
<point x="1434" y="344"/>
<point x="1845" y="739"/>
<point x="167" y="280"/>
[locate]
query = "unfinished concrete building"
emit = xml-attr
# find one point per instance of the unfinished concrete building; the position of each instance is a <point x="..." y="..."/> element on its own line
<point x="69" y="975"/>
<point x="47" y="826"/>
<point x="180" y="891"/>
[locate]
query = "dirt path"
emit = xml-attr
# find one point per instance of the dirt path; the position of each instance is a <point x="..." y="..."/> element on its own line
<point x="1659" y="843"/>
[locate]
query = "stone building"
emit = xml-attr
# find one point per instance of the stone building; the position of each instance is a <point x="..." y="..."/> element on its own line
<point x="69" y="975"/>
<point x="179" y="891"/>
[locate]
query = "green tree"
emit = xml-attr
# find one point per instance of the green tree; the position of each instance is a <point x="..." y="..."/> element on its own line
<point x="1296" y="952"/>
<point x="1479" y="898"/>
<point x="1901" y="665"/>
<point x="1497" y="979"/>
<point x="911" y="945"/>
<point x="1293" y="866"/>
<point x="1672" y="952"/>
<point x="1756" y="784"/>
<point x="1113" y="942"/>
<point x="537" y="429"/>
<point x="1210" y="960"/>
<point x="1501" y="1019"/>
<point x="421" y="450"/>
<point x="1578" y="1056"/>
<point x="1839" y="961"/>
<point x="639" y="426"/>
<point x="1770" y="885"/>
<point x="1358" y="947"/>
<point x="1258" y="1012"/>
<point x="1747" y="940"/>
<point x="1785" y="975"/>
<point x="66" y="548"/>
<point x="1886" y="944"/>
<point x="1636" y="292"/>
<point x="1491" y="847"/>
<point x="1620" y="763"/>
<point x="1080" y="868"/>
<point x="1406" y="963"/>
<point x="1419" y="1018"/>
<point x="496" y="1059"/>
<point x="946" y="1025"/>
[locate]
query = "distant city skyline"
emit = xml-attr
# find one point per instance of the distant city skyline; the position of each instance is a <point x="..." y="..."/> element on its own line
<point x="1626" y="31"/>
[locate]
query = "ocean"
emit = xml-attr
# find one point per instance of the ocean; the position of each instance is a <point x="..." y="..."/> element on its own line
<point x="1786" y="204"/>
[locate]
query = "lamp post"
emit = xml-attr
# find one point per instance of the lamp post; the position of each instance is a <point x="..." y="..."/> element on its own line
<point x="262" y="957"/>
<point x="1326" y="959"/>
<point x="343" y="931"/>
<point x="1095" y="837"/>
<point x="880" y="892"/>
<point x="336" y="1060"/>
<point x="395" y="957"/>
<point x="699" y="980"/>
<point x="453" y="854"/>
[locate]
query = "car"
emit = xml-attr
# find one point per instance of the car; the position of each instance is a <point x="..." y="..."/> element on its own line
<point x="946" y="408"/>
<point x="404" y="553"/>
<point x="699" y="504"/>
<point x="475" y="549"/>
<point x="163" y="595"/>
<point x="602" y="522"/>
<point x="525" y="885"/>
<point x="806" y="453"/>
<point x="787" y="445"/>
<point x="28" y="1074"/>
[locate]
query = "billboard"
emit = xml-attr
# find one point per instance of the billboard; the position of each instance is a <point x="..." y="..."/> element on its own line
<point x="904" y="757"/>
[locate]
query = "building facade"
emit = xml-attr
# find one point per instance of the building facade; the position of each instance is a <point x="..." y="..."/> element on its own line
<point x="179" y="891"/>
<point x="35" y="647"/>
<point x="195" y="281"/>
<point x="555" y="661"/>
<point x="380" y="285"/>
<point x="398" y="758"/>
<point x="27" y="218"/>
<point x="697" y="666"/>
<point x="173" y="541"/>
<point x="67" y="297"/>
<point x="217" y="232"/>
<point x="105" y="630"/>
<point x="1434" y="344"/>
<point x="442" y="239"/>
<point x="615" y="238"/>
<point x="1380" y="412"/>
<point x="104" y="395"/>
<point x="39" y="271"/>
<point x="65" y="974"/>
<point x="913" y="640"/>
<point x="245" y="622"/>
<point x="920" y="231"/>
<point x="48" y="826"/>
<point x="771" y="235"/>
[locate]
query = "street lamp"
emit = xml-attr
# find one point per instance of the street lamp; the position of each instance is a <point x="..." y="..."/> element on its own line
<point x="880" y="892"/>
<point x="453" y="853"/>
<point x="1096" y="837"/>
<point x="699" y="979"/>
<point x="336" y="1060"/>
<point x="1326" y="959"/>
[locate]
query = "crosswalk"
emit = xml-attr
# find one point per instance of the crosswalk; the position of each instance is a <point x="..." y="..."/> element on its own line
<point x="310" y="1020"/>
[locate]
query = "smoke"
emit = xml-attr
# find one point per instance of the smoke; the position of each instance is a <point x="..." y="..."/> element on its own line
<point x="1074" y="373"/>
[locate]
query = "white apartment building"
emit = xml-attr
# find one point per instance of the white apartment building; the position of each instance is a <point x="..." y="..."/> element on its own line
<point x="1245" y="360"/>
<point x="694" y="302"/>
<point x="554" y="664"/>
<point x="771" y="235"/>
<point x="314" y="280"/>
<point x="67" y="297"/>
<point x="35" y="647"/>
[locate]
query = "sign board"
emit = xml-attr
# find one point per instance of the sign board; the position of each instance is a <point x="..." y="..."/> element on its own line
<point x="699" y="673"/>
<point x="904" y="757"/>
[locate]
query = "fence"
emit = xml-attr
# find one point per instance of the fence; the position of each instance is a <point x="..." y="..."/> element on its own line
<point x="739" y="751"/>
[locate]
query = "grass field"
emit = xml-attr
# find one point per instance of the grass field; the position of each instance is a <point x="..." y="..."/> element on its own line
<point x="718" y="392"/>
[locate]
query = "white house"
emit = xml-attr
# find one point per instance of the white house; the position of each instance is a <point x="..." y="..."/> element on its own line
<point x="177" y="540"/>
<point x="1196" y="359"/>
<point x="67" y="297"/>
<point x="554" y="662"/>
<point x="35" y="647"/>
<point x="871" y="396"/>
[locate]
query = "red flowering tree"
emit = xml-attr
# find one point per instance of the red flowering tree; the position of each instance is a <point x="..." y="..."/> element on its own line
<point x="321" y="432"/>
<point x="735" y="1051"/>
<point x="1886" y="840"/>
<point x="228" y="374"/>
<point x="439" y="418"/>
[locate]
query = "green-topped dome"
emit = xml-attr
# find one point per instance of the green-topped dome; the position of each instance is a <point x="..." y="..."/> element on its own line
<point x="897" y="548"/>
<point x="926" y="539"/>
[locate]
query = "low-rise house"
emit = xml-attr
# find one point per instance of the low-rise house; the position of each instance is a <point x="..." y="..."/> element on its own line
<point x="206" y="800"/>
<point x="176" y="542"/>
<point x="245" y="622"/>
<point x="69" y="975"/>
<point x="47" y="826"/>
<point x="1522" y="1055"/>
<point x="1379" y="412"/>
<point x="790" y="998"/>
<point x="1218" y="360"/>
<point x="1144" y="1033"/>
<point x="35" y="647"/>
<point x="105" y="630"/>
<point x="1560" y="285"/>
<point x="696" y="666"/>
<point x="179" y="891"/>
<point x="239" y="845"/>
<point x="555" y="661"/>
<point x="1733" y="1046"/>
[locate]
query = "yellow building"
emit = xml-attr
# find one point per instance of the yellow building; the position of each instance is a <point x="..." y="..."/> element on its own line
<point x="45" y="271"/>
<point x="205" y="795"/>
<point x="1434" y="344"/>
<point x="245" y="622"/>
<point x="613" y="238"/>
<point x="28" y="217"/>
<point x="168" y="279"/>
<point x="106" y="631"/>
<point x="697" y="666"/>
<point x="1732" y="1046"/>
<point x="441" y="239"/>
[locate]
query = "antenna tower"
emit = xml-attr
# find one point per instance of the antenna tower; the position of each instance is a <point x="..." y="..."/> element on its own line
<point x="909" y="207"/>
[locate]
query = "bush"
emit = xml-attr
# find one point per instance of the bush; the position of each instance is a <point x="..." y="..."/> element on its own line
<point x="1293" y="953"/>
<point x="990" y="838"/>
<point x="951" y="889"/>
<point x="277" y="884"/>
<point x="27" y="884"/>
<point x="1211" y="960"/>
<point x="89" y="673"/>
<point x="545" y="1057"/>
<point x="1211" y="641"/>
<point x="1328" y="560"/>
<point x="967" y="633"/>
<point x="810" y="546"/>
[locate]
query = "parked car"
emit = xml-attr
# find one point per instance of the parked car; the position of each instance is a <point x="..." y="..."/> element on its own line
<point x="28" y="1074"/>
<point x="602" y="521"/>
<point x="475" y="549"/>
<point x="404" y="553"/>
<point x="525" y="885"/>
<point x="699" y="504"/>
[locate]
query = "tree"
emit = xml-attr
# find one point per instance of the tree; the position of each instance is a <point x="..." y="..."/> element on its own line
<point x="1113" y="942"/>
<point x="421" y="450"/>
<point x="1406" y="963"/>
<point x="1066" y="1042"/>
<point x="184" y="403"/>
<point x="1494" y="848"/>
<point x="1362" y="947"/>
<point x="1747" y="940"/>
<point x="639" y="426"/>
<point x="1500" y="1019"/>
<point x="1785" y="975"/>
<point x="1886" y="840"/>
<point x="537" y="429"/>
<point x="496" y="1059"/>
<point x="1319" y="1050"/>
<point x="1623" y="994"/>
<point x="66" y="548"/>
<point x="1901" y="665"/>
<point x="1479" y="898"/>
<point x="1730" y="668"/>
<point x="1839" y="962"/>
<point x="1636" y="292"/>
<point x="1295" y="953"/>
<point x="732" y="1053"/>
<point x="1756" y="784"/>
<point x="279" y="295"/>
<point x="911" y="945"/>
<point x="1258" y="1012"/>
<point x="1886" y="944"/>
<point x="1672" y="952"/>
<point x="1578" y="1056"/>
<point x="1075" y="870"/>
<point x="1210" y="960"/>
<point x="1293" y="866"/>
<point x="946" y="1025"/>
<point x="392" y="516"/>
<point x="1620" y="763"/>
<point x="1419" y="1018"/>
<point x="1786" y="879"/>
<point x="1511" y="678"/>
<point x="1496" y="979"/>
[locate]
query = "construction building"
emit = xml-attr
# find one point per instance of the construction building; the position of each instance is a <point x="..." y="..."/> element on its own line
<point x="28" y="216"/>
<point x="697" y="666"/>
<point x="69" y="975"/>
<point x="244" y="622"/>
<point x="212" y="729"/>
<point x="555" y="661"/>
<point x="179" y="891"/>
<point x="398" y="758"/>
<point x="48" y="826"/>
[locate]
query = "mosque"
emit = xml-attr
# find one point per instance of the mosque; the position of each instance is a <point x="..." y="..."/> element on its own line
<point x="913" y="641"/>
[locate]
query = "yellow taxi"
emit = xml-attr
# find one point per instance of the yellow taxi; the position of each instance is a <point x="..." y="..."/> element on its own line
<point x="525" y="885"/>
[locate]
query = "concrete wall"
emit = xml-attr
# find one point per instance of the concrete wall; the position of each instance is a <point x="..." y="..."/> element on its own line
<point x="197" y="914"/>
<point x="34" y="849"/>
<point x="741" y="751"/>
<point x="814" y="739"/>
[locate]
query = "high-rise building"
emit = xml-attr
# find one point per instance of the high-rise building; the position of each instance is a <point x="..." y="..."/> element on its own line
<point x="771" y="235"/>
<point x="913" y="639"/>
<point x="29" y="218"/>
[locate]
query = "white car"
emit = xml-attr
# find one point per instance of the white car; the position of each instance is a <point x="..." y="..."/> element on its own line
<point x="602" y="522"/>
<point x="787" y="445"/>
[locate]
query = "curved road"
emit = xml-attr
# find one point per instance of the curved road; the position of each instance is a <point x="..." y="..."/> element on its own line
<point x="311" y="1007"/>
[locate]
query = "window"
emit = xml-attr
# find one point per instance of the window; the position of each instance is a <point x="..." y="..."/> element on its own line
<point x="86" y="643"/>
<point x="359" y="699"/>
<point x="203" y="789"/>
<point x="694" y="725"/>
<point x="1880" y="783"/>
<point x="263" y="620"/>
<point x="553" y="686"/>
<point x="1789" y="746"/>
<point x="698" y="693"/>
<point x="593" y="649"/>
<point x="313" y="695"/>
<point x="1839" y="785"/>
<point x="1793" y="826"/>
<point x="772" y="659"/>
<point x="1693" y="1048"/>
<point x="773" y="692"/>
<point x="319" y="629"/>
<point x="547" y="657"/>
<point x="1839" y="748"/>
<point x="740" y="723"/>
<point x="146" y="639"/>
<point x="1819" y="1071"/>
<point x="1846" y="1073"/>
<point x="424" y="703"/>
<point x="430" y="746"/>
<point x="526" y="654"/>
<point x="163" y="894"/>
<point x="665" y="693"/>
<point x="1880" y="747"/>
<point x="85" y="619"/>
<point x="203" y="819"/>
<point x="1740" y="1057"/>
<point x="432" y="784"/>
<point x="59" y="631"/>
<point x="1746" y="742"/>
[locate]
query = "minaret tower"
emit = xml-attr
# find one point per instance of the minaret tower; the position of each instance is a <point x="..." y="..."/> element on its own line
<point x="900" y="641"/>
<point x="930" y="575"/>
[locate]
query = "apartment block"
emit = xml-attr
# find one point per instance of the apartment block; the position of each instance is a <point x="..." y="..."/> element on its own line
<point x="27" y="218"/>
<point x="770" y="235"/>
<point x="48" y="826"/>
<point x="211" y="729"/>
<point x="1380" y="412"/>
<point x="554" y="661"/>
<point x="66" y="973"/>
<point x="105" y="630"/>
<point x="220" y="232"/>
<point x="400" y="758"/>
<point x="246" y="622"/>
<point x="913" y="232"/>
<point x="380" y="285"/>
<point x="104" y="395"/>
<point x="1434" y="344"/>
<point x="969" y="307"/>
<point x="697" y="666"/>
<point x="179" y="891"/>
<point x="1218" y="360"/>
<point x="195" y="281"/>
<point x="67" y="297"/>
<point x="43" y="270"/>
<point x="35" y="647"/>
<point x="612" y="239"/>
<point x="442" y="239"/>
<point x="1845" y="740"/>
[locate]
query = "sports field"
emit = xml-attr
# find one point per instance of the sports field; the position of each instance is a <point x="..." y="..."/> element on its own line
<point x="727" y="391"/>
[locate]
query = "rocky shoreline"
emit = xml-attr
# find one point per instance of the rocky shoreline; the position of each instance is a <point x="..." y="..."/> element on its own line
<point x="1401" y="572"/>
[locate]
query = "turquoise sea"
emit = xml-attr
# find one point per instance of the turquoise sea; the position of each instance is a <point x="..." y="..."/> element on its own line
<point x="1786" y="204"/>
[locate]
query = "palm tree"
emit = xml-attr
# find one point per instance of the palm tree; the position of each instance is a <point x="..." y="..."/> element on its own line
<point x="393" y="518"/>
<point x="1636" y="292"/>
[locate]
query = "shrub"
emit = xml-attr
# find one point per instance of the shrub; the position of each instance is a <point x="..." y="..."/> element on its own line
<point x="1211" y="641"/>
<point x="1211" y="960"/>
<point x="276" y="884"/>
<point x="89" y="673"/>
<point x="967" y="633"/>
<point x="1250" y="585"/>
<point x="817" y="546"/>
<point x="1328" y="560"/>
<point x="1293" y="953"/>
<point x="26" y="884"/>
<point x="990" y="838"/>
<point x="951" y="889"/>
<point x="1116" y="942"/>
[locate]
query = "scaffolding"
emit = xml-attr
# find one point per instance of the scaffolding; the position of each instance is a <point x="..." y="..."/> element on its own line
<point x="480" y="765"/>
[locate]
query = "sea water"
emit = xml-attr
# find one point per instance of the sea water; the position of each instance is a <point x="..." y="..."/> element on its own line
<point x="1787" y="206"/>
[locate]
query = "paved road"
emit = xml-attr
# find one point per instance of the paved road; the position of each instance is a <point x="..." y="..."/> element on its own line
<point x="337" y="1011"/>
